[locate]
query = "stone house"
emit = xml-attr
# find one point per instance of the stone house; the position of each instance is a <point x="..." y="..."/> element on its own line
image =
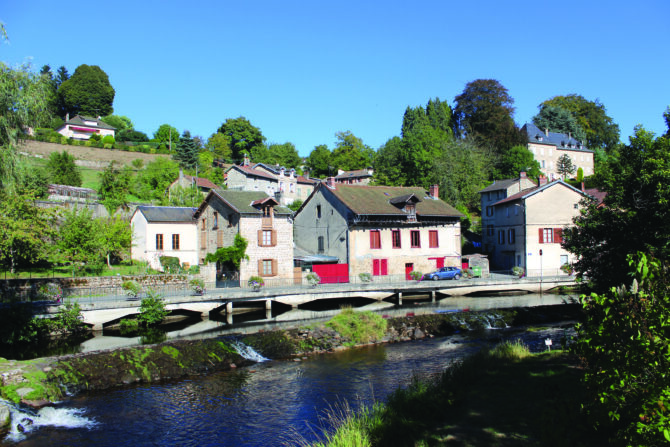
<point x="164" y="231"/>
<point x="380" y="230"/>
<point x="528" y="226"/>
<point x="204" y="185"/>
<point x="548" y="147"/>
<point x="267" y="227"/>
<point x="360" y="177"/>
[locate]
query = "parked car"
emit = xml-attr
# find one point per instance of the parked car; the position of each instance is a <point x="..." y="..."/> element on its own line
<point x="444" y="273"/>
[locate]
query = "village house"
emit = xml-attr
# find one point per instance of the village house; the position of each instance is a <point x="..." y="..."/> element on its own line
<point x="525" y="228"/>
<point x="278" y="182"/>
<point x="380" y="230"/>
<point x="258" y="218"/>
<point x="164" y="231"/>
<point x="548" y="147"/>
<point x="358" y="177"/>
<point x="204" y="185"/>
<point x="83" y="127"/>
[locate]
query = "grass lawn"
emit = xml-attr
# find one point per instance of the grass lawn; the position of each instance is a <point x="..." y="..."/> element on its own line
<point x="66" y="272"/>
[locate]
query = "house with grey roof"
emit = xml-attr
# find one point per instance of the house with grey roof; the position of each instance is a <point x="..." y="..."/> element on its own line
<point x="381" y="230"/>
<point x="360" y="176"/>
<point x="164" y="231"/>
<point x="548" y="147"/>
<point x="83" y="127"/>
<point x="260" y="220"/>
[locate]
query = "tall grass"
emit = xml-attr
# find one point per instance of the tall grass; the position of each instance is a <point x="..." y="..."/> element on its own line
<point x="359" y="327"/>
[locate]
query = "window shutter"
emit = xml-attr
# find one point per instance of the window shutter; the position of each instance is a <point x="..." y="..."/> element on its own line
<point x="558" y="235"/>
<point x="274" y="238"/>
<point x="372" y="239"/>
<point x="260" y="238"/>
<point x="384" y="268"/>
<point x="274" y="267"/>
<point x="260" y="267"/>
<point x="541" y="235"/>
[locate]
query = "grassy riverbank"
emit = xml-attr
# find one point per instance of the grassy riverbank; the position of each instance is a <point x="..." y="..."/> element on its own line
<point x="502" y="397"/>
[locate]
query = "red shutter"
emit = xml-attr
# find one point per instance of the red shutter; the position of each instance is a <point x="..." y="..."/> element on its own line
<point x="375" y="267"/>
<point x="558" y="235"/>
<point x="384" y="269"/>
<point x="541" y="235"/>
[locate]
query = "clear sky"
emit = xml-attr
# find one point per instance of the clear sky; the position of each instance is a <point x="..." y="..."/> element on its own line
<point x="303" y="70"/>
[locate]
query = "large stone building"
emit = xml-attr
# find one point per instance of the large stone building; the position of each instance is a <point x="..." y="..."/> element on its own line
<point x="377" y="229"/>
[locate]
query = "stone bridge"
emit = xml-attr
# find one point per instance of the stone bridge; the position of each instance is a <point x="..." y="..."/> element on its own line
<point x="99" y="312"/>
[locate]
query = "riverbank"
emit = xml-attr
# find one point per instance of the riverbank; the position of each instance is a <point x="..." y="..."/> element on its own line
<point x="38" y="382"/>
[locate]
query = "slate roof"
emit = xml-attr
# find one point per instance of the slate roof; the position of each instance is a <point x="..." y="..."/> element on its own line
<point x="242" y="201"/>
<point x="376" y="200"/>
<point x="500" y="184"/>
<point x="166" y="213"/>
<point x="561" y="140"/>
<point x="253" y="172"/>
<point x="353" y="174"/>
<point x="531" y="191"/>
<point x="79" y="120"/>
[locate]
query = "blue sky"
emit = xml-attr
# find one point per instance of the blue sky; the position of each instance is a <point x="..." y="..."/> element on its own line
<point x="302" y="71"/>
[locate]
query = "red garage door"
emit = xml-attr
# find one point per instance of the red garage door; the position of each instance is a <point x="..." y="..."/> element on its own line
<point x="332" y="273"/>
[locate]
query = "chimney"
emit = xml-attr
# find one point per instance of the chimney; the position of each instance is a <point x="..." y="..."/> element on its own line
<point x="569" y="135"/>
<point x="543" y="180"/>
<point x="330" y="182"/>
<point x="245" y="162"/>
<point x="546" y="131"/>
<point x="434" y="191"/>
<point x="522" y="174"/>
<point x="583" y="189"/>
<point x="67" y="117"/>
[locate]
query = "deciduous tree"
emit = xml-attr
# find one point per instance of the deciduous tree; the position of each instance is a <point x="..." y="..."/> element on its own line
<point x="152" y="182"/>
<point x="558" y="119"/>
<point x="319" y="161"/>
<point x="285" y="155"/>
<point x="63" y="170"/>
<point x="87" y="92"/>
<point x="219" y="145"/>
<point x="243" y="136"/>
<point x="114" y="186"/>
<point x="350" y="153"/>
<point x="167" y="135"/>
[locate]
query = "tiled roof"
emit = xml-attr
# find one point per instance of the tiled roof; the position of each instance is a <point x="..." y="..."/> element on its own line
<point x="253" y="172"/>
<point x="596" y="194"/>
<point x="306" y="180"/>
<point x="561" y="140"/>
<point x="530" y="191"/>
<point x="376" y="200"/>
<point x="79" y="120"/>
<point x="352" y="174"/>
<point x="242" y="201"/>
<point x="167" y="213"/>
<point x="201" y="182"/>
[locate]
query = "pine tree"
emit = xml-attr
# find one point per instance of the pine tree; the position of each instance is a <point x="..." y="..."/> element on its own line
<point x="186" y="152"/>
<point x="564" y="165"/>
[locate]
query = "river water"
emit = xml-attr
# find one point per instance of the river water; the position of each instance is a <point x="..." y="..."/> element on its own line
<point x="270" y="403"/>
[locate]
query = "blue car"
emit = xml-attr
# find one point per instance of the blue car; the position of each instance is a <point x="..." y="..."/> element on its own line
<point x="444" y="273"/>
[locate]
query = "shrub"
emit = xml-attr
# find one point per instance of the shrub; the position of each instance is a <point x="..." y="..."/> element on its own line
<point x="359" y="327"/>
<point x="51" y="291"/>
<point x="129" y="325"/>
<point x="416" y="275"/>
<point x="313" y="279"/>
<point x="108" y="139"/>
<point x="518" y="271"/>
<point x="170" y="264"/>
<point x="68" y="319"/>
<point x="95" y="138"/>
<point x="365" y="277"/>
<point x="198" y="286"/>
<point x="194" y="270"/>
<point x="152" y="309"/>
<point x="132" y="288"/>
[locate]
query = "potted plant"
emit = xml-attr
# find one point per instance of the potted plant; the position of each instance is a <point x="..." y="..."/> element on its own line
<point x="255" y="282"/>
<point x="416" y="275"/>
<point x="132" y="288"/>
<point x="365" y="277"/>
<point x="518" y="271"/>
<point x="313" y="279"/>
<point x="52" y="291"/>
<point x="567" y="268"/>
<point x="198" y="286"/>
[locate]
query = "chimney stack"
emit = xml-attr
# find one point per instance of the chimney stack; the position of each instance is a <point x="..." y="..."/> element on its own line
<point x="543" y="180"/>
<point x="434" y="191"/>
<point x="546" y="131"/>
<point x="245" y="161"/>
<point x="522" y="174"/>
<point x="330" y="182"/>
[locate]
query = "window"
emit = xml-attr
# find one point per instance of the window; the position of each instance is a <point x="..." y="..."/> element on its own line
<point x="321" y="244"/>
<point x="159" y="242"/>
<point x="395" y="238"/>
<point x="375" y="239"/>
<point x="415" y="238"/>
<point x="267" y="267"/>
<point x="507" y="211"/>
<point x="291" y="187"/>
<point x="204" y="223"/>
<point x="501" y="237"/>
<point x="433" y="241"/>
<point x="489" y="211"/>
<point x="489" y="230"/>
<point x="175" y="242"/>
<point x="511" y="236"/>
<point x="516" y="210"/>
<point x="488" y="196"/>
<point x="216" y="220"/>
<point x="410" y="209"/>
<point x="318" y="211"/>
<point x="551" y="235"/>
<point x="267" y="238"/>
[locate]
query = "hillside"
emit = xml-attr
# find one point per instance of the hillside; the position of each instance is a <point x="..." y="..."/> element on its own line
<point x="92" y="157"/>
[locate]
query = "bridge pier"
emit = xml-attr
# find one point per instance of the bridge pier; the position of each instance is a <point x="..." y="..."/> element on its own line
<point x="432" y="297"/>
<point x="229" y="308"/>
<point x="399" y="298"/>
<point x="268" y="304"/>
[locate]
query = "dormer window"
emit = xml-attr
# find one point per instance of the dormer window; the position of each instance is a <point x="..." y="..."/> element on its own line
<point x="410" y="209"/>
<point x="407" y="204"/>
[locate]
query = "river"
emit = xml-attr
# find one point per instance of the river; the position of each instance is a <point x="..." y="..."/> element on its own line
<point x="271" y="403"/>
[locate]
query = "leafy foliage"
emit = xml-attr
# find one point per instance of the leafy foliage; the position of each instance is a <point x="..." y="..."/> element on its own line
<point x="219" y="145"/>
<point x="319" y="162"/>
<point x="166" y="135"/>
<point x="350" y="153"/>
<point x="517" y="159"/>
<point x="152" y="182"/>
<point x="244" y="137"/>
<point x="625" y="345"/>
<point x="152" y="309"/>
<point x="232" y="256"/>
<point x="359" y="327"/>
<point x="564" y="165"/>
<point x="63" y="170"/>
<point x="87" y="92"/>
<point x="170" y="264"/>
<point x="186" y="152"/>
<point x="132" y="288"/>
<point x="558" y="119"/>
<point x="114" y="186"/>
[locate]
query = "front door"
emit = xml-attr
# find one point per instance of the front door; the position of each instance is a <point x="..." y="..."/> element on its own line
<point x="409" y="267"/>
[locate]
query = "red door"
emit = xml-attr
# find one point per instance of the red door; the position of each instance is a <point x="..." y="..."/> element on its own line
<point x="380" y="267"/>
<point x="332" y="273"/>
<point x="439" y="262"/>
<point x="409" y="267"/>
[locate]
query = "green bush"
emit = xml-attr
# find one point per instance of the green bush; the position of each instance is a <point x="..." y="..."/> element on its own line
<point x="255" y="282"/>
<point x="365" y="277"/>
<point x="108" y="139"/>
<point x="313" y="279"/>
<point x="198" y="286"/>
<point x="359" y="327"/>
<point x="132" y="288"/>
<point x="152" y="309"/>
<point x="129" y="325"/>
<point x="170" y="264"/>
<point x="194" y="270"/>
<point x="416" y="275"/>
